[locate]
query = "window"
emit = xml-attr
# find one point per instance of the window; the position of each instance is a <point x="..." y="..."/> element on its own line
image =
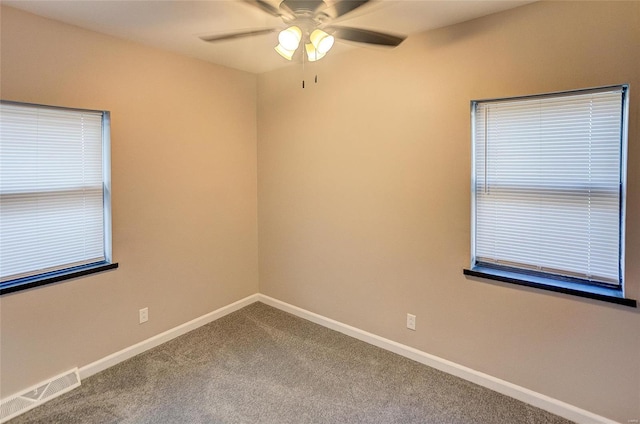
<point x="548" y="191"/>
<point x="54" y="194"/>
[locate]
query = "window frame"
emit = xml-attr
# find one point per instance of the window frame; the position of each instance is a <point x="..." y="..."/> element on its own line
<point x="69" y="272"/>
<point x="542" y="280"/>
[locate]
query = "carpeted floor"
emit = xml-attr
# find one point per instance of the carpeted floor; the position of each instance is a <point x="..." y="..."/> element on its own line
<point x="262" y="365"/>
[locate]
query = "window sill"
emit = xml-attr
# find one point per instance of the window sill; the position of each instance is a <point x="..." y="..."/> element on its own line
<point x="54" y="277"/>
<point x="576" y="289"/>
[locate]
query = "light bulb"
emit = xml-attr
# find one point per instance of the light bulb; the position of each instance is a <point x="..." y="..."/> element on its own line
<point x="290" y="38"/>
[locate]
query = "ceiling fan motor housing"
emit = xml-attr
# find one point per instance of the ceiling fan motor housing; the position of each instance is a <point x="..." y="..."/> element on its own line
<point x="303" y="5"/>
<point x="304" y="12"/>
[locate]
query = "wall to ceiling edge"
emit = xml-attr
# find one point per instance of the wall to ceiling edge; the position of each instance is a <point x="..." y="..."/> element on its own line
<point x="364" y="197"/>
<point x="183" y="187"/>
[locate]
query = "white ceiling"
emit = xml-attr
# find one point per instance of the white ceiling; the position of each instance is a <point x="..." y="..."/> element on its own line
<point x="175" y="25"/>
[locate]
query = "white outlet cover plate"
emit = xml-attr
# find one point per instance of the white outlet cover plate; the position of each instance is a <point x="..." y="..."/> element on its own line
<point x="144" y="315"/>
<point x="411" y="321"/>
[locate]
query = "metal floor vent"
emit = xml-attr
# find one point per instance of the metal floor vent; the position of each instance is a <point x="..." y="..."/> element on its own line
<point x="38" y="394"/>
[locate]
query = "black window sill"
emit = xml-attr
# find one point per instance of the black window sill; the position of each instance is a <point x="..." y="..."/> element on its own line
<point x="604" y="294"/>
<point x="54" y="277"/>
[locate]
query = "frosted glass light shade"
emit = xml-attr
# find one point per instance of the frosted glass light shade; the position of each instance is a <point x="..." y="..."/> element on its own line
<point x="290" y="38"/>
<point x="287" y="54"/>
<point x="312" y="53"/>
<point x="321" y="41"/>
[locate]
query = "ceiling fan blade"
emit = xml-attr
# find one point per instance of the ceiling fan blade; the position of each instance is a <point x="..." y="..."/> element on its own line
<point x="234" y="35"/>
<point x="282" y="11"/>
<point x="265" y="6"/>
<point x="286" y="11"/>
<point x="343" y="7"/>
<point x="365" y="36"/>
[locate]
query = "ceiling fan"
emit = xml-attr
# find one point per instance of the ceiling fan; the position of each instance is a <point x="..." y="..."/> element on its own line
<point x="309" y="22"/>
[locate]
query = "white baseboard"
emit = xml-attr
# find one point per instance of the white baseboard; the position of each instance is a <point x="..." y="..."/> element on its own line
<point x="523" y="394"/>
<point x="131" y="351"/>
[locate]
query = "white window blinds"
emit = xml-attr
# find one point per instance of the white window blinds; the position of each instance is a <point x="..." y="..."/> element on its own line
<point x="51" y="189"/>
<point x="548" y="183"/>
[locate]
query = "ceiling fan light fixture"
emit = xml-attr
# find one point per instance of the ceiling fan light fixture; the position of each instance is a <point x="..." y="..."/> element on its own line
<point x="321" y="41"/>
<point x="290" y="38"/>
<point x="304" y="20"/>
<point x="287" y="54"/>
<point x="312" y="53"/>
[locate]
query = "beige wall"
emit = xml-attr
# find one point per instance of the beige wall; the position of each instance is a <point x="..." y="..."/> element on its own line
<point x="184" y="194"/>
<point x="364" y="198"/>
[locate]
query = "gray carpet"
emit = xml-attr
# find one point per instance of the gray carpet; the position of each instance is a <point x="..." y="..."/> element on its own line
<point x="262" y="365"/>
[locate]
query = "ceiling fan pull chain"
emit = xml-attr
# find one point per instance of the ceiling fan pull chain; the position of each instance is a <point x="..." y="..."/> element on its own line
<point x="303" y="70"/>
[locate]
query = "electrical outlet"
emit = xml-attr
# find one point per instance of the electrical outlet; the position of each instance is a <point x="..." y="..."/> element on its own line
<point x="411" y="322"/>
<point x="144" y="315"/>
